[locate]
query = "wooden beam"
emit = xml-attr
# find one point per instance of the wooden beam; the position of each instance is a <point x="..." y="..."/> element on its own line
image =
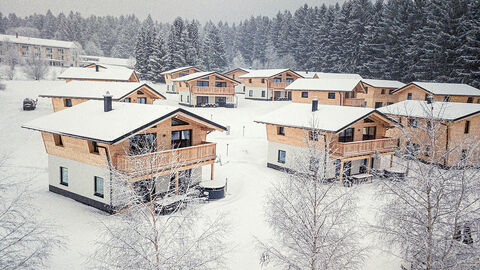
<point x="212" y="166"/>
<point x="369" y="160"/>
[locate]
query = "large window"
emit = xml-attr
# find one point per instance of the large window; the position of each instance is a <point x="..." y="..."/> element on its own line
<point x="346" y="135"/>
<point x="98" y="186"/>
<point x="181" y="138"/>
<point x="281" y="156"/>
<point x="220" y="84"/>
<point x="142" y="100"/>
<point x="277" y="79"/>
<point x="202" y="83"/>
<point x="143" y="143"/>
<point x="128" y="100"/>
<point x="64" y="176"/>
<point x="369" y="133"/>
<point x="331" y="95"/>
<point x="378" y="105"/>
<point x="304" y="94"/>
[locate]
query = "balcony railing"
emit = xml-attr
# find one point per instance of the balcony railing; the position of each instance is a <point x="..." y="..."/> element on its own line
<point x="213" y="90"/>
<point x="355" y="102"/>
<point x="153" y="163"/>
<point x="279" y="84"/>
<point x="358" y="148"/>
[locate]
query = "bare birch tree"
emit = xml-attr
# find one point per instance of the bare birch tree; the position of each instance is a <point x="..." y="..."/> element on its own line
<point x="11" y="59"/>
<point x="313" y="218"/>
<point x="431" y="218"/>
<point x="35" y="66"/>
<point x="155" y="229"/>
<point x="26" y="242"/>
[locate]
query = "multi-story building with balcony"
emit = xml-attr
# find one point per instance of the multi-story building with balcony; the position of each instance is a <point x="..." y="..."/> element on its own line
<point x="268" y="84"/>
<point x="55" y="52"/>
<point x="175" y="73"/>
<point x="235" y="74"/>
<point x="379" y="93"/>
<point x="448" y="92"/>
<point x="84" y="143"/>
<point x="76" y="92"/>
<point x="206" y="89"/>
<point x="354" y="137"/>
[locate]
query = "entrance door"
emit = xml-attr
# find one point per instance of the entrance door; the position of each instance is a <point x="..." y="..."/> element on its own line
<point x="181" y="138"/>
<point x="276" y="95"/>
<point x="363" y="166"/>
<point x="221" y="101"/>
<point x="289" y="94"/>
<point x="202" y="100"/>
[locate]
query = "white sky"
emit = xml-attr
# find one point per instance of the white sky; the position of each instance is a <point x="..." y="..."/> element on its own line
<point x="161" y="10"/>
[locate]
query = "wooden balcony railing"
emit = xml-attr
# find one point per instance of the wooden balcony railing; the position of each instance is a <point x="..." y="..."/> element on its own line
<point x="213" y="90"/>
<point x="279" y="84"/>
<point x="355" y="102"/>
<point x="156" y="162"/>
<point x="358" y="148"/>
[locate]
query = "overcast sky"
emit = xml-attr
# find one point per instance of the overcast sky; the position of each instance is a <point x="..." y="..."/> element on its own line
<point x="161" y="10"/>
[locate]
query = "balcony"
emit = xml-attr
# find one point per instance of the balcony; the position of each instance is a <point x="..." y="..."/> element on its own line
<point x="358" y="148"/>
<point x="354" y="102"/>
<point x="279" y="84"/>
<point x="213" y="90"/>
<point x="174" y="159"/>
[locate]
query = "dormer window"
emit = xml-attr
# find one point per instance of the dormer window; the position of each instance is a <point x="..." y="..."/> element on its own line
<point x="139" y="92"/>
<point x="178" y="122"/>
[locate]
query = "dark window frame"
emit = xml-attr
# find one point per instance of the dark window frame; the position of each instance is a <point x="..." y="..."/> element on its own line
<point x="304" y="94"/>
<point x="128" y="100"/>
<point x="68" y="102"/>
<point x="409" y="96"/>
<point x="467" y="127"/>
<point x="331" y="95"/>
<point x="279" y="160"/>
<point x="95" y="187"/>
<point x="281" y="131"/>
<point x="62" y="174"/>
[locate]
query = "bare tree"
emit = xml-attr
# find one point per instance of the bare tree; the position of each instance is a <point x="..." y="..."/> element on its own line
<point x="313" y="218"/>
<point x="11" y="59"/>
<point x="157" y="228"/>
<point x="26" y="242"/>
<point x="36" y="67"/>
<point x="430" y="218"/>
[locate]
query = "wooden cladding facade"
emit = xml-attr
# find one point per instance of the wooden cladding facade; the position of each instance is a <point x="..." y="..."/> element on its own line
<point x="376" y="97"/>
<point x="170" y="76"/>
<point x="342" y="98"/>
<point x="414" y="92"/>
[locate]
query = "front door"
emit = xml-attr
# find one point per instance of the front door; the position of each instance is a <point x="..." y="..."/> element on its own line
<point x="363" y="166"/>
<point x="276" y="95"/>
<point x="289" y="94"/>
<point x="202" y="100"/>
<point x="221" y="101"/>
<point x="181" y="138"/>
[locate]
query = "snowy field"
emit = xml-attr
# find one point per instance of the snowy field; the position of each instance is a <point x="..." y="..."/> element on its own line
<point x="244" y="166"/>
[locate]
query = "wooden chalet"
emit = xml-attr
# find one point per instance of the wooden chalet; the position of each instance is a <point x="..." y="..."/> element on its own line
<point x="235" y="74"/>
<point x="379" y="93"/>
<point x="97" y="72"/>
<point x="448" y="92"/>
<point x="268" y="84"/>
<point x="175" y="73"/>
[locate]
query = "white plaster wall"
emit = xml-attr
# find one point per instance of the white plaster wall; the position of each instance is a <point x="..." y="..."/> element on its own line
<point x="183" y="96"/>
<point x="80" y="177"/>
<point x="240" y="88"/>
<point x="170" y="86"/>
<point x="257" y="93"/>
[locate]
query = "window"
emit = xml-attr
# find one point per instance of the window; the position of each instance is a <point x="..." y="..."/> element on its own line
<point x="181" y="98"/>
<point x="347" y="95"/>
<point x="470" y="100"/>
<point x="427" y="150"/>
<point x="383" y="92"/>
<point x="281" y="156"/>
<point x="313" y="135"/>
<point x="98" y="186"/>
<point x="205" y="78"/>
<point x="426" y="97"/>
<point x="182" y="74"/>
<point x="218" y="78"/>
<point x="263" y="93"/>
<point x="289" y="80"/>
<point x="139" y="92"/>
<point x="304" y="94"/>
<point x="143" y="143"/>
<point x="281" y="131"/>
<point x="188" y="99"/>
<point x="181" y="138"/>
<point x="220" y="84"/>
<point x="93" y="147"/>
<point x="389" y="103"/>
<point x="58" y="140"/>
<point x="378" y="104"/>
<point x="277" y="79"/>
<point x="331" y="95"/>
<point x="366" y="90"/>
<point x="409" y="96"/>
<point x="467" y="127"/>
<point x="346" y="135"/>
<point x="64" y="176"/>
<point x="413" y="123"/>
<point x="263" y="80"/>
<point x="250" y="93"/>
<point x="446" y="99"/>
<point x="390" y="91"/>
<point x="369" y="133"/>
<point x="368" y="120"/>
<point x="128" y="100"/>
<point x="250" y="80"/>
<point x="233" y="76"/>
<point x="178" y="122"/>
<point x="202" y="83"/>
<point x="68" y="102"/>
<point x="142" y="100"/>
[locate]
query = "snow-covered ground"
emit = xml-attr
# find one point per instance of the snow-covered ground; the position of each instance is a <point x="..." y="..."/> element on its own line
<point x="244" y="166"/>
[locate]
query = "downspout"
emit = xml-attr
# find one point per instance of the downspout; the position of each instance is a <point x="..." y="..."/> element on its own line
<point x="111" y="176"/>
<point x="446" y="147"/>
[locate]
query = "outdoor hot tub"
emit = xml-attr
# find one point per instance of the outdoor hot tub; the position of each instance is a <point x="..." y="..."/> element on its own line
<point x="214" y="189"/>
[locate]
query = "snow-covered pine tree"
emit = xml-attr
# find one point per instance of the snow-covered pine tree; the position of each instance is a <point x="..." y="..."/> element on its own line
<point x="50" y="26"/>
<point x="303" y="18"/>
<point x="469" y="60"/>
<point x="177" y="47"/>
<point x="144" y="47"/>
<point x="192" y="43"/>
<point x="213" y="52"/>
<point x="157" y="60"/>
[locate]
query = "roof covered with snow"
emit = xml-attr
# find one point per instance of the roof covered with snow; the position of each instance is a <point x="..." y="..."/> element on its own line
<point x="329" y="118"/>
<point x="322" y="75"/>
<point x="175" y="70"/>
<point x="112" y="61"/>
<point x="449" y="111"/>
<point x="239" y="68"/>
<point x="193" y="76"/>
<point x="383" y="83"/>
<point x="263" y="73"/>
<point x="449" y="89"/>
<point x="306" y="74"/>
<point x="87" y="120"/>
<point x="113" y="74"/>
<point x="38" y="41"/>
<point x="95" y="90"/>
<point x="344" y="85"/>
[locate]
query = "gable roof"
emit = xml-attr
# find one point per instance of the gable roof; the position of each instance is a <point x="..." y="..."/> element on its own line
<point x="239" y="68"/>
<point x="265" y="73"/>
<point x="197" y="75"/>
<point x="447" y="89"/>
<point x="341" y="85"/>
<point x="448" y="111"/>
<point x="328" y="118"/>
<point x="96" y="90"/>
<point x="306" y="74"/>
<point x="350" y="76"/>
<point x="87" y="120"/>
<point x="38" y="41"/>
<point x="108" y="73"/>
<point x="112" y="61"/>
<point x="177" y="70"/>
<point x="383" y="83"/>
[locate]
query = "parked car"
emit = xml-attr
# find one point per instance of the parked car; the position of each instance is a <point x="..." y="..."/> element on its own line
<point x="29" y="104"/>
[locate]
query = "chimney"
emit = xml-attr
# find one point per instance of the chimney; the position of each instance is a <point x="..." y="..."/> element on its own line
<point x="107" y="102"/>
<point x="429" y="99"/>
<point x="96" y="67"/>
<point x="314" y="104"/>
<point x="16" y="35"/>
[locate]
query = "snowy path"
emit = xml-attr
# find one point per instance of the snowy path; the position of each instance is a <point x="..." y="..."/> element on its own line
<point x="244" y="166"/>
